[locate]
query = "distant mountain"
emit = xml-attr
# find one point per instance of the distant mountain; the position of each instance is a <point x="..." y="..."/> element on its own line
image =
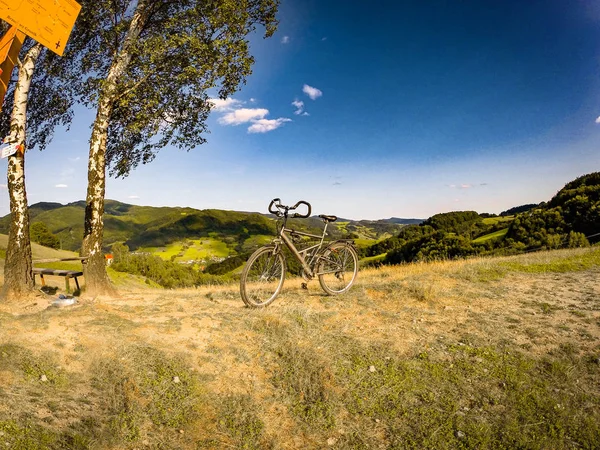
<point x="400" y="221"/>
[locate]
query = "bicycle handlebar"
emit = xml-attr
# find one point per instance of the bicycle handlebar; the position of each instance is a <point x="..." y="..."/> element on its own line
<point x="282" y="210"/>
<point x="276" y="202"/>
<point x="302" y="216"/>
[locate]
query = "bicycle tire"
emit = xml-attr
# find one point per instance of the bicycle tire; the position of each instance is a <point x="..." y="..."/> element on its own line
<point x="262" y="277"/>
<point x="338" y="268"/>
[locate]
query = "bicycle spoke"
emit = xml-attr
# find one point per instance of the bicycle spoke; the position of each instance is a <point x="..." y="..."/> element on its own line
<point x="338" y="268"/>
<point x="262" y="277"/>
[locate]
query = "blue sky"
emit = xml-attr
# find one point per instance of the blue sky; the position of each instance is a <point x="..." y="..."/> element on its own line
<point x="371" y="110"/>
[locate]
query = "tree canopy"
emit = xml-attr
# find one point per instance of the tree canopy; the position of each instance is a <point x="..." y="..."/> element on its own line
<point x="186" y="51"/>
<point x="40" y="233"/>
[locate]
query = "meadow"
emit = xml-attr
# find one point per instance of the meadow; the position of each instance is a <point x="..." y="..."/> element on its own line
<point x="478" y="353"/>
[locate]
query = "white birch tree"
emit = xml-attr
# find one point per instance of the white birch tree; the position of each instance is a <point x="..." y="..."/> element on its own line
<point x="147" y="68"/>
<point x="18" y="277"/>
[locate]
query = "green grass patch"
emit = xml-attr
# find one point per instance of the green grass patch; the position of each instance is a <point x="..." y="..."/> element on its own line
<point x="307" y="380"/>
<point x="365" y="233"/>
<point x="37" y="251"/>
<point x="29" y="436"/>
<point x="253" y="242"/>
<point x="145" y="385"/>
<point x="473" y="397"/>
<point x="372" y="259"/>
<point x="342" y="226"/>
<point x="112" y="322"/>
<point x="240" y="422"/>
<point x="570" y="263"/>
<point x="495" y="220"/>
<point x="193" y="249"/>
<point x="63" y="265"/>
<point x="129" y="280"/>
<point x="302" y="374"/>
<point x="138" y="394"/>
<point x="481" y="273"/>
<point x="37" y="368"/>
<point x="365" y="242"/>
<point x="495" y="235"/>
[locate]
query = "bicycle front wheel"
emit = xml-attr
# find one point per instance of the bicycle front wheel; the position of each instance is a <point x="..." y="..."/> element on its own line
<point x="338" y="268"/>
<point x="262" y="277"/>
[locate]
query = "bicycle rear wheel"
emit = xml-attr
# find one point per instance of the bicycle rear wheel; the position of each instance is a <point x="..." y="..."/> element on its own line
<point x="338" y="268"/>
<point x="262" y="277"/>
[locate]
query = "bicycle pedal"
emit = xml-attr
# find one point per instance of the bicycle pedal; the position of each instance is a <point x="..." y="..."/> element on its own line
<point x="304" y="286"/>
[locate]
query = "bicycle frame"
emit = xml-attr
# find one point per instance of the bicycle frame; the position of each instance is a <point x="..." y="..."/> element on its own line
<point x="299" y="254"/>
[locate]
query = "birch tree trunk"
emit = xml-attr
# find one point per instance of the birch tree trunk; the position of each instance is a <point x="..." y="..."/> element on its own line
<point x="18" y="276"/>
<point x="96" y="277"/>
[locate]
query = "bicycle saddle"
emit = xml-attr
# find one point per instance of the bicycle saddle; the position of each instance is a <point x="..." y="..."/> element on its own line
<point x="328" y="218"/>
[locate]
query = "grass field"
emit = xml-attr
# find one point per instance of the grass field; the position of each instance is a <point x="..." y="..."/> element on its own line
<point x="495" y="220"/>
<point x="495" y="235"/>
<point x="256" y="241"/>
<point x="372" y="259"/>
<point x="483" y="354"/>
<point x="40" y="252"/>
<point x="192" y="249"/>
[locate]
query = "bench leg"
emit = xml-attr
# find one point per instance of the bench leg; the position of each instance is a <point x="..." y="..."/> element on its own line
<point x="77" y="284"/>
<point x="42" y="279"/>
<point x="67" y="285"/>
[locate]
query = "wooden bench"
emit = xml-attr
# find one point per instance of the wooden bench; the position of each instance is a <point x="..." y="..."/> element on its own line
<point x="68" y="274"/>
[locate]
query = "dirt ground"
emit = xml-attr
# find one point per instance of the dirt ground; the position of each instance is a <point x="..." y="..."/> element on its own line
<point x="411" y="309"/>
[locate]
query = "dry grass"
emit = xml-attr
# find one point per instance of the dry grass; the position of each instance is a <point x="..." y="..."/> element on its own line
<point x="489" y="353"/>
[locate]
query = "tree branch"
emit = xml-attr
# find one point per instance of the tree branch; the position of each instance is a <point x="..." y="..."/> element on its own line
<point x="127" y="91"/>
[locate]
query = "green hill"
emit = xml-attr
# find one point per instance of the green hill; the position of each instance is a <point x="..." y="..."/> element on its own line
<point x="184" y="234"/>
<point x="570" y="219"/>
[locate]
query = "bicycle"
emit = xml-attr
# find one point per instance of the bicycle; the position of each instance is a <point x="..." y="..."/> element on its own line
<point x="335" y="263"/>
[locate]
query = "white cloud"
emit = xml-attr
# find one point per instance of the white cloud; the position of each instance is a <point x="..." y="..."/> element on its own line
<point x="299" y="105"/>
<point x="224" y="105"/>
<point x="598" y="119"/>
<point x="3" y="186"/>
<point x="265" y="125"/>
<point x="133" y="197"/>
<point x="285" y="40"/>
<point x="254" y="116"/>
<point x="61" y="186"/>
<point x="243" y="115"/>
<point x="465" y="186"/>
<point x="252" y="100"/>
<point x="312" y="92"/>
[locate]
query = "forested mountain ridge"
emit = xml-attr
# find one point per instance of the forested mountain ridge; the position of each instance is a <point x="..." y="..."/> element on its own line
<point x="399" y="220"/>
<point x="148" y="226"/>
<point x="570" y="219"/>
<point x="121" y="221"/>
